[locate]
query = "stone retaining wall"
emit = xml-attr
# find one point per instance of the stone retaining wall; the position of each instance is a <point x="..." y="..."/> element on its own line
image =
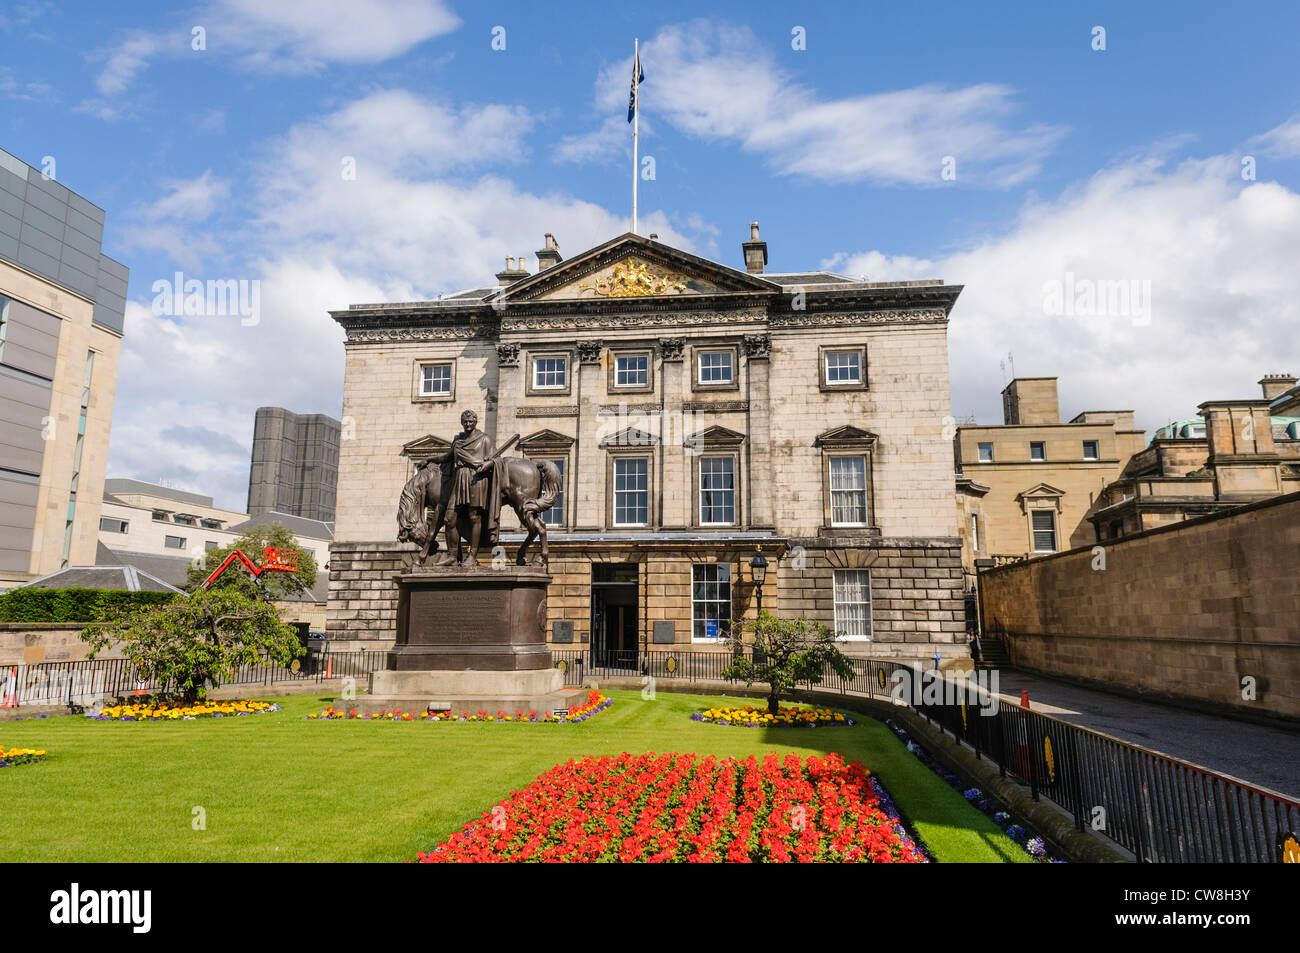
<point x="1206" y="611"/>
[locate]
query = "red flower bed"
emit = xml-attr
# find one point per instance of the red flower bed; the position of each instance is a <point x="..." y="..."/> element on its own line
<point x="682" y="808"/>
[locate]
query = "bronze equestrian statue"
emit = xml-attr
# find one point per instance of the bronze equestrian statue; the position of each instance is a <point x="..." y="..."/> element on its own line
<point x="465" y="487"/>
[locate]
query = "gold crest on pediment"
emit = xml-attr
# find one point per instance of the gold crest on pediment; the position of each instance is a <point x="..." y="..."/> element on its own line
<point x="632" y="279"/>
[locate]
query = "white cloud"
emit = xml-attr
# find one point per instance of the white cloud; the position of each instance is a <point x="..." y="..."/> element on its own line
<point x="192" y="199"/>
<point x="33" y="91"/>
<point x="310" y="33"/>
<point x="718" y="82"/>
<point x="299" y="37"/>
<point x="1280" y="142"/>
<point x="125" y="60"/>
<point x="414" y="223"/>
<point x="1218" y="253"/>
<point x="170" y="223"/>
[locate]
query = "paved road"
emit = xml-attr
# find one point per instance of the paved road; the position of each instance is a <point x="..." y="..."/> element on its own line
<point x="1266" y="756"/>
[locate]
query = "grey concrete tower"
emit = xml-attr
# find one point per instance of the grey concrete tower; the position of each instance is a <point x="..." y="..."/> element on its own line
<point x="295" y="465"/>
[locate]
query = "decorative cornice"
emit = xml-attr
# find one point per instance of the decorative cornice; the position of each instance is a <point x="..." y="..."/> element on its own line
<point x="378" y="334"/>
<point x="570" y="410"/>
<point x="797" y="320"/>
<point x="716" y="406"/>
<point x="397" y="327"/>
<point x="630" y="409"/>
<point x="642" y="319"/>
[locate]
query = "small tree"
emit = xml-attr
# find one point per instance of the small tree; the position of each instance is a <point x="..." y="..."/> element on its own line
<point x="251" y="543"/>
<point x="786" y="652"/>
<point x="190" y="642"/>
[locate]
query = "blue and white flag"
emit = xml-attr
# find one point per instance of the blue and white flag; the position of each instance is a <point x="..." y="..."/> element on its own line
<point x="638" y="77"/>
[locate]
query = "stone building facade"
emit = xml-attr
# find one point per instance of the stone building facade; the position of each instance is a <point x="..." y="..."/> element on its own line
<point x="698" y="414"/>
<point x="1025" y="487"/>
<point x="1233" y="453"/>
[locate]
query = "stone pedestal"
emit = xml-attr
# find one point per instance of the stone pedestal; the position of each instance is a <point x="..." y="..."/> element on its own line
<point x="469" y="640"/>
<point x="474" y="619"/>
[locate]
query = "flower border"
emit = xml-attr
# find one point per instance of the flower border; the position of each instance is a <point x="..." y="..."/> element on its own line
<point x="788" y="716"/>
<point x="14" y="757"/>
<point x="178" y="711"/>
<point x="596" y="702"/>
<point x="1035" y="847"/>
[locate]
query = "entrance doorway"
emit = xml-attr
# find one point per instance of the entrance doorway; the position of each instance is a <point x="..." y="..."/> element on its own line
<point x="614" y="629"/>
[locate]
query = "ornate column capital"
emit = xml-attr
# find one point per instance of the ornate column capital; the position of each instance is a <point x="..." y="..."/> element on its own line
<point x="589" y="351"/>
<point x="672" y="348"/>
<point x="758" y="347"/>
<point x="508" y="355"/>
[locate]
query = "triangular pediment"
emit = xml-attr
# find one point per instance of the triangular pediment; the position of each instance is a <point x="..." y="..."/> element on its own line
<point x="715" y="436"/>
<point x="845" y="435"/>
<point x="1040" y="490"/>
<point x="545" y="440"/>
<point x="630" y="437"/>
<point x="424" y="447"/>
<point x="633" y="267"/>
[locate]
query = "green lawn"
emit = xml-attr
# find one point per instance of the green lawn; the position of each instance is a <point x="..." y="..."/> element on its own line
<point x="279" y="787"/>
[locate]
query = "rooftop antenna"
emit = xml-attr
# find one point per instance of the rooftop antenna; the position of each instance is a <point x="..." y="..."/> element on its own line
<point x="1012" y="361"/>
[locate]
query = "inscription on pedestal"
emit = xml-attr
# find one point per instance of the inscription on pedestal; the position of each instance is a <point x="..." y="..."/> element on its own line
<point x="474" y="620"/>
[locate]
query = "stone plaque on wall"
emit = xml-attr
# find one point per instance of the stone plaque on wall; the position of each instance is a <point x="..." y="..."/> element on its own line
<point x="664" y="633"/>
<point x="562" y="630"/>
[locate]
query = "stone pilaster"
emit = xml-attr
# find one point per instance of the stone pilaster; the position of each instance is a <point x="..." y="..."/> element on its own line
<point x="674" y="464"/>
<point x="588" y="483"/>
<point x="758" y="487"/>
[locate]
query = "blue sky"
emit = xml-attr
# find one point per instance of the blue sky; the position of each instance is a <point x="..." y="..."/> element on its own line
<point x="1122" y="164"/>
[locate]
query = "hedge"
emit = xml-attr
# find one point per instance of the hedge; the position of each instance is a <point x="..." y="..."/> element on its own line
<point x="77" y="606"/>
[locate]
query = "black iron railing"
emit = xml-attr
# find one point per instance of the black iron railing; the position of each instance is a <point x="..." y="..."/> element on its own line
<point x="1161" y="808"/>
<point x="82" y="682"/>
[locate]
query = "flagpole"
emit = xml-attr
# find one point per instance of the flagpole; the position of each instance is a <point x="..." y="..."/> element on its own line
<point x="636" y="115"/>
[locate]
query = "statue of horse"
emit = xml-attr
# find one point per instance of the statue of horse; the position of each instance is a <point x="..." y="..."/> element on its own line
<point x="530" y="487"/>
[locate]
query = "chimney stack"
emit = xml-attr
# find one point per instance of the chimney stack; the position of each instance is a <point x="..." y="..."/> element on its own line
<point x="549" y="256"/>
<point x="511" y="274"/>
<point x="755" y="251"/>
<point x="1274" y="385"/>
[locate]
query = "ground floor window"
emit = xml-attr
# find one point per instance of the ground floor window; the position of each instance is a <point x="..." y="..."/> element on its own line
<point x="710" y="602"/>
<point x="853" y="604"/>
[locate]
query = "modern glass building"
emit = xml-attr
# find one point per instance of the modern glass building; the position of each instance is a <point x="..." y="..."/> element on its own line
<point x="62" y="310"/>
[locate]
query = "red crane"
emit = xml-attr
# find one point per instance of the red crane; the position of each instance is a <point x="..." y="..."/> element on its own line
<point x="273" y="560"/>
